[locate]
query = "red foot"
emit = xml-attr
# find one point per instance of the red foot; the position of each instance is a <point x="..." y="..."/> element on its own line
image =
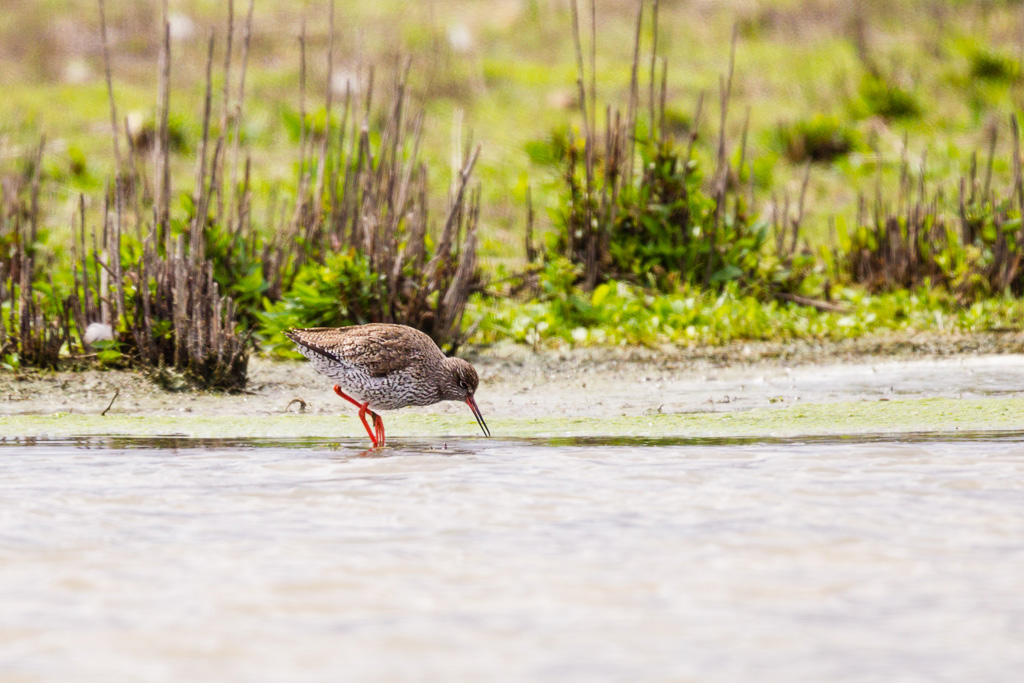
<point x="378" y="425"/>
<point x="376" y="434"/>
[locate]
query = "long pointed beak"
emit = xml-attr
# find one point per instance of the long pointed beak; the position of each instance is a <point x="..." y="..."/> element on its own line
<point x="471" y="402"/>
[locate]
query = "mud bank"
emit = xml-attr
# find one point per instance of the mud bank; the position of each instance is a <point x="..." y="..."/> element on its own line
<point x="771" y="389"/>
<point x="810" y="420"/>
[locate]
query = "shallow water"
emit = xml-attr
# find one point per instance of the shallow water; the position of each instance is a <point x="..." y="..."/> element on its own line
<point x="707" y="560"/>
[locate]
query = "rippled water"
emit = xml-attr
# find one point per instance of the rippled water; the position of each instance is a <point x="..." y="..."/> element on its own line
<point x="825" y="560"/>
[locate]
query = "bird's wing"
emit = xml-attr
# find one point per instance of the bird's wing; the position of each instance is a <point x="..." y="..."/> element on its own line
<point x="378" y="349"/>
<point x="316" y="339"/>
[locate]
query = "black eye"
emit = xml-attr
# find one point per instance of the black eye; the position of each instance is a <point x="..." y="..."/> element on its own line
<point x="464" y="384"/>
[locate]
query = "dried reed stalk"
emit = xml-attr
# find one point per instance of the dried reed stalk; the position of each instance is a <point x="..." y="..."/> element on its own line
<point x="164" y="298"/>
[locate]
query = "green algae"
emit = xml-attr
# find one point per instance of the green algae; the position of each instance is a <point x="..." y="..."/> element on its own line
<point x="810" y="419"/>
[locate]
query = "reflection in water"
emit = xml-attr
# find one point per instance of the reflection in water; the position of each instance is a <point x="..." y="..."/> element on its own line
<point x="714" y="560"/>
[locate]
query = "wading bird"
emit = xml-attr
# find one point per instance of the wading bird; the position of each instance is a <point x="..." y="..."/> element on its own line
<point x="386" y="367"/>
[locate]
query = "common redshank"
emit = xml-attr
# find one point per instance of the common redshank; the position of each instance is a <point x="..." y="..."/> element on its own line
<point x="386" y="367"/>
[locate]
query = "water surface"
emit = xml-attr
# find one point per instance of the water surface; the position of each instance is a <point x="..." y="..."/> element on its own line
<point x="862" y="559"/>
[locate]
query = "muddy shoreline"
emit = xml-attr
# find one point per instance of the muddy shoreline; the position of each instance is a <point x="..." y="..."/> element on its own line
<point x="520" y="383"/>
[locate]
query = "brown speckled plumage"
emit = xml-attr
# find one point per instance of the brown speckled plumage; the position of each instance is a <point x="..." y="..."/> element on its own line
<point x="386" y="367"/>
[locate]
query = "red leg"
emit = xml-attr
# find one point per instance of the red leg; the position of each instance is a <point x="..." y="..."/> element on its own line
<point x="348" y="398"/>
<point x="363" y="409"/>
<point x="362" y="416"/>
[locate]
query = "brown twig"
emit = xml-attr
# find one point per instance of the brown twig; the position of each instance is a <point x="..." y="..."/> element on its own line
<point x="117" y="392"/>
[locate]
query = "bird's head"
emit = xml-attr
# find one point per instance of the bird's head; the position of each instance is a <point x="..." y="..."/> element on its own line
<point x="462" y="386"/>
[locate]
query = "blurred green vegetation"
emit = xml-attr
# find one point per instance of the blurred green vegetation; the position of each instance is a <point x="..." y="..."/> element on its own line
<point x="863" y="90"/>
<point x="828" y="72"/>
<point x="818" y="138"/>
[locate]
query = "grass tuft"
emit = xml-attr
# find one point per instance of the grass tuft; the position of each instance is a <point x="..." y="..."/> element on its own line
<point x="990" y="65"/>
<point x="887" y="99"/>
<point x="820" y="138"/>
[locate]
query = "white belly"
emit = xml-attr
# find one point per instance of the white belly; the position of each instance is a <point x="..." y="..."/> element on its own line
<point x="391" y="392"/>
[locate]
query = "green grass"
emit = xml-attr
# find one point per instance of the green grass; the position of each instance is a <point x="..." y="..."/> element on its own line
<point x="798" y="72"/>
<point x="793" y="62"/>
<point x="617" y="313"/>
